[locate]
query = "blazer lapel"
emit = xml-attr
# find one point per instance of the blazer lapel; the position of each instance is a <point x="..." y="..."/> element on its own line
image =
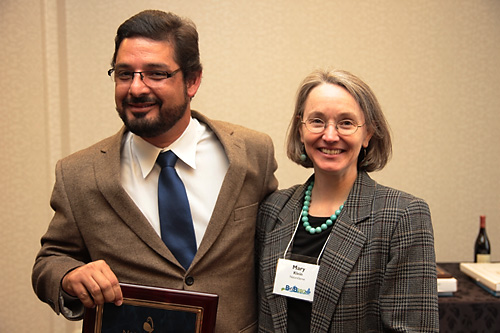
<point x="339" y="257"/>
<point x="278" y="240"/>
<point x="235" y="150"/>
<point x="107" y="173"/>
<point x="341" y="253"/>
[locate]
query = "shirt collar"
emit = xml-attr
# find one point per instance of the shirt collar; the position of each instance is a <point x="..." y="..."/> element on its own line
<point x="184" y="147"/>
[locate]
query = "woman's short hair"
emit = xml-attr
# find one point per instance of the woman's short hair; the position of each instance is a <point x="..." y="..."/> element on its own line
<point x="379" y="150"/>
<point x="162" y="26"/>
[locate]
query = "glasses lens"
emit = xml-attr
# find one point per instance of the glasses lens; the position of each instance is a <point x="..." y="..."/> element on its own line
<point x="346" y="127"/>
<point x="154" y="78"/>
<point x="123" y="76"/>
<point x="315" y="125"/>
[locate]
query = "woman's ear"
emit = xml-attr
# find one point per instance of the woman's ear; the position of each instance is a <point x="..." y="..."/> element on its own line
<point x="367" y="139"/>
<point x="300" y="130"/>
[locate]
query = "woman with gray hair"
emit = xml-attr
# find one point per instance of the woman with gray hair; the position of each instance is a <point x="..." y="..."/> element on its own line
<point x="342" y="253"/>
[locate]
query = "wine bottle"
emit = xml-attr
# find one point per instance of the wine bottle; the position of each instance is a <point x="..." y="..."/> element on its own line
<point x="482" y="249"/>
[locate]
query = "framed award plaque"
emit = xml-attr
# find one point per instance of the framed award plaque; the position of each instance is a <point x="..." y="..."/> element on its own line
<point x="152" y="310"/>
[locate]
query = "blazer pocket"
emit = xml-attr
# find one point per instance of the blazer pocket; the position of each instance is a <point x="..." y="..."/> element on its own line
<point x="246" y="212"/>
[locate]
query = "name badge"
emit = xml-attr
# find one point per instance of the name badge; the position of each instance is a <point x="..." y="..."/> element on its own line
<point x="295" y="279"/>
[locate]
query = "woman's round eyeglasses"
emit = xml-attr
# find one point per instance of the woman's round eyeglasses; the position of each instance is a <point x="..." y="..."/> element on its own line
<point x="343" y="127"/>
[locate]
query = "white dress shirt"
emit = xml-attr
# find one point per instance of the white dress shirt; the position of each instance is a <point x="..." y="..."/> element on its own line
<point x="202" y="166"/>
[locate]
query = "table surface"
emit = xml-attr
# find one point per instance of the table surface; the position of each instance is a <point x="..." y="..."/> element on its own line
<point x="467" y="290"/>
<point x="470" y="309"/>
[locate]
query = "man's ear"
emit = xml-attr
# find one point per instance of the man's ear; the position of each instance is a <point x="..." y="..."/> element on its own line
<point x="193" y="83"/>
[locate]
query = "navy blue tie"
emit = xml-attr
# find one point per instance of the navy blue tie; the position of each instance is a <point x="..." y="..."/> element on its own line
<point x="176" y="223"/>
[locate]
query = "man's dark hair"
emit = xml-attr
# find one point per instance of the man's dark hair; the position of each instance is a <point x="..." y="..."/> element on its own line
<point x="162" y="26"/>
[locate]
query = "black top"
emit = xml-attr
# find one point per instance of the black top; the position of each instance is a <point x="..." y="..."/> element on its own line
<point x="306" y="248"/>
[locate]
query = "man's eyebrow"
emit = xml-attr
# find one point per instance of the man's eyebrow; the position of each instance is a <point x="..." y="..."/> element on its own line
<point x="150" y="66"/>
<point x="157" y="66"/>
<point x="122" y="66"/>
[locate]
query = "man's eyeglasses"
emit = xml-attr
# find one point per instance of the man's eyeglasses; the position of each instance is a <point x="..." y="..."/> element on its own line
<point x="150" y="78"/>
<point x="343" y="127"/>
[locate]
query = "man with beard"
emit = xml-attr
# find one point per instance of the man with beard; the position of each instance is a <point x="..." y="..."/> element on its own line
<point x="108" y="225"/>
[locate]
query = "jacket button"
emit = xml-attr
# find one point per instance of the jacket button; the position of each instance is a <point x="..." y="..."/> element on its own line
<point x="189" y="280"/>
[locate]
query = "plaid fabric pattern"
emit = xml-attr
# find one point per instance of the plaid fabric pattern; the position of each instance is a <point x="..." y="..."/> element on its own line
<point x="377" y="272"/>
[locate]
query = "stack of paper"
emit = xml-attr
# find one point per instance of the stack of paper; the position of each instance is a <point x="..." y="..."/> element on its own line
<point x="487" y="275"/>
<point x="446" y="283"/>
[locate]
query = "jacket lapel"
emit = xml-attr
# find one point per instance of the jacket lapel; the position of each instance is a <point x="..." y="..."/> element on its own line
<point x="235" y="150"/>
<point x="341" y="253"/>
<point x="107" y="174"/>
<point x="339" y="257"/>
<point x="279" y="238"/>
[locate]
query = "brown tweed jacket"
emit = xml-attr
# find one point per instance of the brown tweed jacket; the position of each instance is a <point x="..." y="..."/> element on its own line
<point x="96" y="219"/>
<point x="378" y="270"/>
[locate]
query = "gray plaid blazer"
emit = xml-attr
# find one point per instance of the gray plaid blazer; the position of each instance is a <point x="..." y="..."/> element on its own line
<point x="378" y="269"/>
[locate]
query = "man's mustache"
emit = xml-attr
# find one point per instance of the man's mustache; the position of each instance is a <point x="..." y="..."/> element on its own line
<point x="140" y="100"/>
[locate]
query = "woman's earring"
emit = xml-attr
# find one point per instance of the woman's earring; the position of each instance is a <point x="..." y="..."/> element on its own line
<point x="303" y="156"/>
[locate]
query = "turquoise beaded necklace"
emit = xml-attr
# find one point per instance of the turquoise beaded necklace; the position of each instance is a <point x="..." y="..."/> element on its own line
<point x="305" y="214"/>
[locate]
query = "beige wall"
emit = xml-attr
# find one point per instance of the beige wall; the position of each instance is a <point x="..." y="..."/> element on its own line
<point x="433" y="64"/>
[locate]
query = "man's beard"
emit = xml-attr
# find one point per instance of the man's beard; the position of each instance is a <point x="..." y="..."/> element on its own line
<point x="167" y="117"/>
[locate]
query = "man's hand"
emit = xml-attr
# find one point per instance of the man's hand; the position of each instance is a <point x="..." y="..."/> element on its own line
<point x="94" y="284"/>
